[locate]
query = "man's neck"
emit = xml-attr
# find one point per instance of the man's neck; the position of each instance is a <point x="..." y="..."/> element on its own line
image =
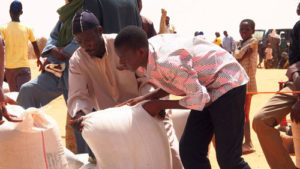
<point x="15" y="19"/>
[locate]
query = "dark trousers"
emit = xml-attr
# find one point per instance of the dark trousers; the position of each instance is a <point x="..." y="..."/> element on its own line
<point x="17" y="77"/>
<point x="224" y="118"/>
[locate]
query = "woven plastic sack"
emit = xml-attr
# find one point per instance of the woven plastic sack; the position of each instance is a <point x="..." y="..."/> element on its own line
<point x="34" y="143"/>
<point x="127" y="138"/>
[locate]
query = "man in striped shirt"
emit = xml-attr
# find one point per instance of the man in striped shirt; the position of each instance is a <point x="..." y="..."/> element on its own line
<point x="211" y="81"/>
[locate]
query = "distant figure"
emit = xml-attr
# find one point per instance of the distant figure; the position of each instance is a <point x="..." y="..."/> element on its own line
<point x="146" y="23"/>
<point x="16" y="37"/>
<point x="279" y="106"/>
<point x="228" y="43"/>
<point x="261" y="53"/>
<point x="246" y="54"/>
<point x="269" y="56"/>
<point x="274" y="39"/>
<point x="218" y="40"/>
<point x="165" y="26"/>
<point x="196" y="33"/>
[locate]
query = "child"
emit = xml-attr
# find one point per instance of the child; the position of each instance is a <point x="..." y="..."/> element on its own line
<point x="269" y="56"/>
<point x="247" y="57"/>
<point x="211" y="81"/>
<point x="16" y="37"/>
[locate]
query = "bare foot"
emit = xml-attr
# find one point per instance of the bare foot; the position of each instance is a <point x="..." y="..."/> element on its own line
<point x="247" y="148"/>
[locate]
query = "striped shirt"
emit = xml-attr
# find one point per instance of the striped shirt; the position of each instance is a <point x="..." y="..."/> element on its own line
<point x="194" y="68"/>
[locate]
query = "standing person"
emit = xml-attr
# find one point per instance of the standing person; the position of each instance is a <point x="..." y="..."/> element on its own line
<point x="274" y="39"/>
<point x="179" y="66"/>
<point x="228" y="43"/>
<point x="261" y="53"/>
<point x="269" y="56"/>
<point x="218" y="40"/>
<point x="279" y="106"/>
<point x="16" y="36"/>
<point x="246" y="54"/>
<point x="95" y="81"/>
<point x="4" y="99"/>
<point x="146" y="23"/>
<point x="165" y="26"/>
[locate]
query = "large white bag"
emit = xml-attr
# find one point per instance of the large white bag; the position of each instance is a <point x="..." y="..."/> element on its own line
<point x="179" y="118"/>
<point x="34" y="143"/>
<point x="127" y="138"/>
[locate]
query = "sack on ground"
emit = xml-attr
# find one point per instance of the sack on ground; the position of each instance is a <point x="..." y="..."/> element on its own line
<point x="34" y="143"/>
<point x="127" y="138"/>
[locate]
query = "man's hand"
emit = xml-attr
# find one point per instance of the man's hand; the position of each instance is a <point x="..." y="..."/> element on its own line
<point x="295" y="114"/>
<point x="154" y="108"/>
<point x="132" y="102"/>
<point x="164" y="12"/>
<point x="58" y="54"/>
<point x="40" y="65"/>
<point x="9" y="117"/>
<point x="76" y="121"/>
<point x="8" y="100"/>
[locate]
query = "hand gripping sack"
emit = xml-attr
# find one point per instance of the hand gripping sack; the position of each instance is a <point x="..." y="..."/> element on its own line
<point x="127" y="138"/>
<point x="34" y="143"/>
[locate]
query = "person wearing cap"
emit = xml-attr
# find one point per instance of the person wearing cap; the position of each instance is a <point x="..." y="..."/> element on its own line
<point x="165" y="26"/>
<point x="95" y="81"/>
<point x="16" y="36"/>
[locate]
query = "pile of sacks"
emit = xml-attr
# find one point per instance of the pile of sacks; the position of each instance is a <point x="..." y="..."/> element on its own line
<point x="121" y="138"/>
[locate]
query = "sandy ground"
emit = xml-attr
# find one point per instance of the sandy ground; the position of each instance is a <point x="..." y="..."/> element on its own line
<point x="267" y="80"/>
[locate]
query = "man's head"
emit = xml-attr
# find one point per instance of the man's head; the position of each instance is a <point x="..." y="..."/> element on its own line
<point x="225" y="33"/>
<point x="15" y="10"/>
<point x="131" y="45"/>
<point x="140" y="5"/>
<point x="217" y="34"/>
<point x="88" y="33"/>
<point x="196" y="33"/>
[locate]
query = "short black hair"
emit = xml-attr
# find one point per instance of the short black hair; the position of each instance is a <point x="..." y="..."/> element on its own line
<point x="133" y="37"/>
<point x="251" y="23"/>
<point x="16" y="7"/>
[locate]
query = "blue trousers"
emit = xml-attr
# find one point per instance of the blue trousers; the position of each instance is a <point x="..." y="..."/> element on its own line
<point x="225" y="119"/>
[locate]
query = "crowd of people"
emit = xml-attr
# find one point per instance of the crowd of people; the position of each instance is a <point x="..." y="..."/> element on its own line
<point x="102" y="54"/>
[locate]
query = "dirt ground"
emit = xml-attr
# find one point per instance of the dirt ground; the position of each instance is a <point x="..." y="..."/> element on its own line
<point x="267" y="80"/>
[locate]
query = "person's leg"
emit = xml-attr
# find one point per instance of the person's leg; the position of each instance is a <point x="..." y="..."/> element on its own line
<point x="264" y="122"/>
<point x="247" y="146"/>
<point x="23" y="76"/>
<point x="10" y="75"/>
<point x="227" y="114"/>
<point x="174" y="145"/>
<point x="193" y="146"/>
<point x="39" y="91"/>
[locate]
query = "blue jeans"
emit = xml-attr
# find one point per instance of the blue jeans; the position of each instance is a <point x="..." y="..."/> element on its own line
<point x="42" y="90"/>
<point x="224" y="118"/>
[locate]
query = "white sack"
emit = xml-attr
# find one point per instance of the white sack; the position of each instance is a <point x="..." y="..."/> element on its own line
<point x="34" y="143"/>
<point x="76" y="161"/>
<point x="179" y="118"/>
<point x="5" y="87"/>
<point x="127" y="138"/>
<point x="89" y="166"/>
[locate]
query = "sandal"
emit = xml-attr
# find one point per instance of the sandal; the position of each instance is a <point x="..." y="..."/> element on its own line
<point x="247" y="150"/>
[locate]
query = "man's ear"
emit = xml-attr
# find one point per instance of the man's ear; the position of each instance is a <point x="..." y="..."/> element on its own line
<point x="100" y="30"/>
